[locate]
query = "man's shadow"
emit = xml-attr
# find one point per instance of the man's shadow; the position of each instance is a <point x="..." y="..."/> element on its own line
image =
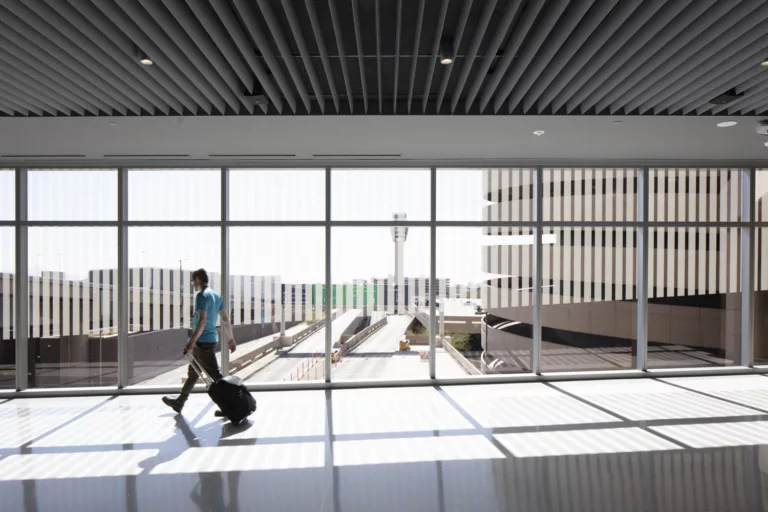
<point x="208" y="493"/>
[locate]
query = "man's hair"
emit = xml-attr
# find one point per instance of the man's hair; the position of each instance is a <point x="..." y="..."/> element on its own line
<point x="201" y="274"/>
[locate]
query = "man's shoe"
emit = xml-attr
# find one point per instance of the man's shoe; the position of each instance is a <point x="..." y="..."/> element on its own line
<point x="219" y="414"/>
<point x="173" y="403"/>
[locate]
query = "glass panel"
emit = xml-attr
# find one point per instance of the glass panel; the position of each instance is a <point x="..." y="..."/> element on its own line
<point x="498" y="194"/>
<point x="592" y="194"/>
<point x="379" y="194"/>
<point x="174" y="194"/>
<point x="72" y="307"/>
<point x="161" y="298"/>
<point x="761" y="195"/>
<point x="7" y="194"/>
<point x="72" y="194"/>
<point x="485" y="304"/>
<point x="277" y="194"/>
<point x="278" y="281"/>
<point x="380" y="282"/>
<point x="695" y="195"/>
<point x="760" y="296"/>
<point x="694" y="297"/>
<point x="7" y="309"/>
<point x="589" y="306"/>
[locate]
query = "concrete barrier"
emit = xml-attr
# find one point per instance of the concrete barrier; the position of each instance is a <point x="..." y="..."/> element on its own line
<point x="254" y="355"/>
<point x="352" y="343"/>
<point x="463" y="361"/>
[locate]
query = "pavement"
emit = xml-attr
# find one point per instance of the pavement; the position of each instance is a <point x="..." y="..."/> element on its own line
<point x="304" y="361"/>
<point x="378" y="357"/>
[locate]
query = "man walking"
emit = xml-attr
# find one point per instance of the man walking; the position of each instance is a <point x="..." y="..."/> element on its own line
<point x="208" y="306"/>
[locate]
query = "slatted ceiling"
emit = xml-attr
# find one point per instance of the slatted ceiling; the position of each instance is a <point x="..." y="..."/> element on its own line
<point x="578" y="57"/>
<point x="552" y="45"/>
<point x="667" y="46"/>
<point x="722" y="35"/>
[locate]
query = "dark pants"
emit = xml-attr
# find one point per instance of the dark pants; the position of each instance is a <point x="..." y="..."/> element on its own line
<point x="205" y="353"/>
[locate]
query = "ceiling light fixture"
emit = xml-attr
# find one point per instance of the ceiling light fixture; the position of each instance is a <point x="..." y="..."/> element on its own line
<point x="112" y="123"/>
<point x="143" y="58"/>
<point x="764" y="63"/>
<point x="765" y="144"/>
<point x="618" y="121"/>
<point x="446" y="55"/>
<point x="727" y="124"/>
<point x="538" y="133"/>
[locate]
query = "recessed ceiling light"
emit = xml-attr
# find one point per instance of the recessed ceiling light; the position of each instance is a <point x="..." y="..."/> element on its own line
<point x="617" y="121"/>
<point x="727" y="124"/>
<point x="766" y="144"/>
<point x="538" y="133"/>
<point x="764" y="63"/>
<point x="112" y="123"/>
<point x="142" y="57"/>
<point x="446" y="55"/>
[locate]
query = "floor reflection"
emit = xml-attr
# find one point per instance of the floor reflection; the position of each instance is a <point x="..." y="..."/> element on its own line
<point x="473" y="457"/>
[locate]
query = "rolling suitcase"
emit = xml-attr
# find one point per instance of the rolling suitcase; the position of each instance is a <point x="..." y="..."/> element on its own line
<point x="229" y="393"/>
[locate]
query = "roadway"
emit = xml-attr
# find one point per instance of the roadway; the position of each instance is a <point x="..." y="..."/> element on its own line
<point x="379" y="357"/>
<point x="301" y="356"/>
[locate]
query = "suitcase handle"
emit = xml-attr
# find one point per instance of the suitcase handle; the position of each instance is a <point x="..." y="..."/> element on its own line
<point x="195" y="364"/>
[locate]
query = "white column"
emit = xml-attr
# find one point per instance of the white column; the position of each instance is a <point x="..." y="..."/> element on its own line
<point x="35" y="306"/>
<point x="269" y="282"/>
<point x="77" y="309"/>
<point x="136" y="299"/>
<point x="66" y="314"/>
<point x="247" y="302"/>
<point x="177" y="299"/>
<point x="237" y="301"/>
<point x="56" y="313"/>
<point x="114" y="289"/>
<point x="6" y="279"/>
<point x="45" y="292"/>
<point x="258" y="295"/>
<point x="166" y="299"/>
<point x="307" y="295"/>
<point x="278" y="299"/>
<point x="86" y="316"/>
<point x="104" y="299"/>
<point x="156" y="299"/>
<point x="146" y="275"/>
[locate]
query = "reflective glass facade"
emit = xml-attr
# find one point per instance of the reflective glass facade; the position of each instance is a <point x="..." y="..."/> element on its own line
<point x="337" y="274"/>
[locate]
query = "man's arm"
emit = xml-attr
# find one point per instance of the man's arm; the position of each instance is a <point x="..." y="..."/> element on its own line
<point x="228" y="329"/>
<point x="202" y="315"/>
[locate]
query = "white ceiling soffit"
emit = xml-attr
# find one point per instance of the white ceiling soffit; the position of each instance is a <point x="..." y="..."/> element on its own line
<point x="377" y="140"/>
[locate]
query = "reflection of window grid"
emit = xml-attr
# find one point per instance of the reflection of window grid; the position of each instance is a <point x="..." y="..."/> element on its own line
<point x="671" y="218"/>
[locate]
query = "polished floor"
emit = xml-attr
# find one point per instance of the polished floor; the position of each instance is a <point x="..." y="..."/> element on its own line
<point x="682" y="444"/>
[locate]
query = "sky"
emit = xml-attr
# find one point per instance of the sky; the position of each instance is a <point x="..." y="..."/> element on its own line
<point x="295" y="253"/>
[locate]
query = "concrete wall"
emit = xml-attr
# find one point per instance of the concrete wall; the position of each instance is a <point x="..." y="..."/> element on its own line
<point x="708" y="328"/>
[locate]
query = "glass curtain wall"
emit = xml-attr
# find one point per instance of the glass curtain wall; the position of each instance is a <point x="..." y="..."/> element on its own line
<point x="7" y="279"/>
<point x="72" y="282"/>
<point x="589" y="269"/>
<point x="393" y="253"/>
